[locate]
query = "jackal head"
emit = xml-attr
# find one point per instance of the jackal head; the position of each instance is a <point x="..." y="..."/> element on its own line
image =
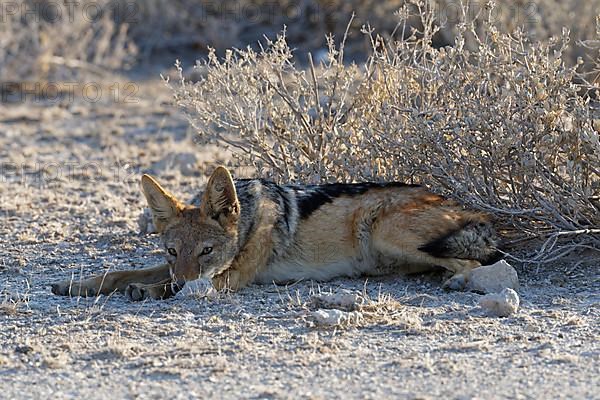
<point x="199" y="241"/>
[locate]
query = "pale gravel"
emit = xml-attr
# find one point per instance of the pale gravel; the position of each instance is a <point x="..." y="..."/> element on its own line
<point x="417" y="341"/>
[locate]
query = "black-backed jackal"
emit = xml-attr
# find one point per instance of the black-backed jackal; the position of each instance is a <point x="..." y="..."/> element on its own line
<point x="254" y="231"/>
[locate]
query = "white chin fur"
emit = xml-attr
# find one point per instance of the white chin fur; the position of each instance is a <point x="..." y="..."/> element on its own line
<point x="199" y="287"/>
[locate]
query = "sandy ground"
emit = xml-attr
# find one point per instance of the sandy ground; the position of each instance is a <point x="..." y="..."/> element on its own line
<point x="69" y="207"/>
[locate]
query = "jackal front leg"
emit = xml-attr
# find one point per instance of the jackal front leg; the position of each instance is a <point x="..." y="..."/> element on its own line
<point x="111" y="282"/>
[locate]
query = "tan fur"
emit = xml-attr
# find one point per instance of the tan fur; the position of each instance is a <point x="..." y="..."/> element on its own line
<point x="373" y="233"/>
<point x="404" y="223"/>
<point x="252" y="257"/>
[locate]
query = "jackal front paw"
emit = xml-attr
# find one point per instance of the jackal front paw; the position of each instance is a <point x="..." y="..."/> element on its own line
<point x="70" y="288"/>
<point x="231" y="280"/>
<point x="139" y="292"/>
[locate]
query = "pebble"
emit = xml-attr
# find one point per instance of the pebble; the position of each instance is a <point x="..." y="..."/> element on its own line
<point x="500" y="304"/>
<point x="493" y="278"/>
<point x="344" y="300"/>
<point x="334" y="317"/>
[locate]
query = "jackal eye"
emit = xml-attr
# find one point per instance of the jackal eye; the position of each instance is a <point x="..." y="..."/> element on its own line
<point x="206" y="250"/>
<point x="172" y="251"/>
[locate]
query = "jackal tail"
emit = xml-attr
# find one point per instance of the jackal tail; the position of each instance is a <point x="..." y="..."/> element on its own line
<point x="476" y="239"/>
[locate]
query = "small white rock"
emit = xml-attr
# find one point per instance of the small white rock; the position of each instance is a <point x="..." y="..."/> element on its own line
<point x="500" y="304"/>
<point x="344" y="300"/>
<point x="493" y="278"/>
<point x="333" y="317"/>
<point x="202" y="287"/>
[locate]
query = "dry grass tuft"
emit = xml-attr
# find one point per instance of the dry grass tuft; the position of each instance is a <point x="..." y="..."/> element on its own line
<point x="8" y="307"/>
<point x="385" y="310"/>
<point x="353" y="309"/>
<point x="12" y="304"/>
<point x="55" y="360"/>
<point x="117" y="347"/>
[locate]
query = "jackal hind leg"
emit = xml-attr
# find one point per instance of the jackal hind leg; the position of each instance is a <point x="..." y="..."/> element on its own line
<point x="404" y="249"/>
<point x="461" y="269"/>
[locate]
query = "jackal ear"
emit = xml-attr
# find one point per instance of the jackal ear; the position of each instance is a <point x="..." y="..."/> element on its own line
<point x="220" y="199"/>
<point x="164" y="206"/>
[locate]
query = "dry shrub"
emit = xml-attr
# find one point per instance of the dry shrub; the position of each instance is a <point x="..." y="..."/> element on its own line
<point x="47" y="40"/>
<point x="502" y="128"/>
